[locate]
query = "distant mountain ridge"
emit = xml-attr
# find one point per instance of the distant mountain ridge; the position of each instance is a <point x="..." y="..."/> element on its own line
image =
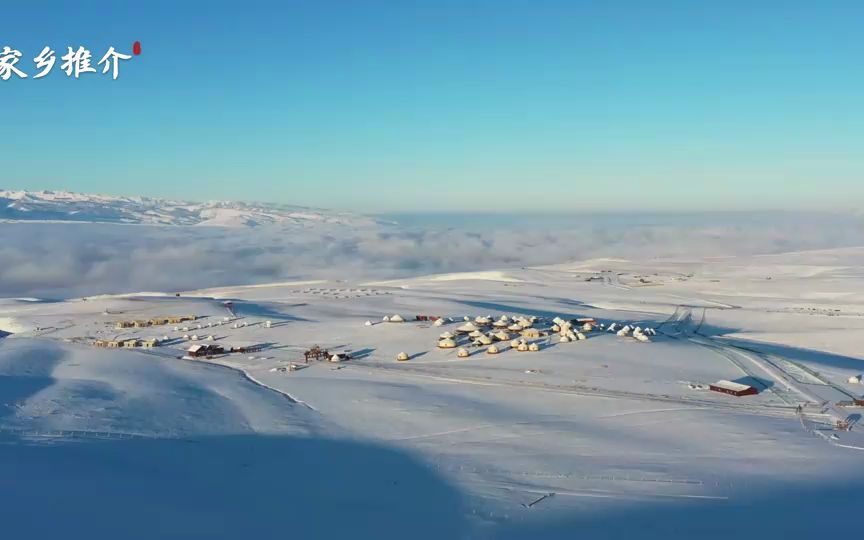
<point x="91" y="208"/>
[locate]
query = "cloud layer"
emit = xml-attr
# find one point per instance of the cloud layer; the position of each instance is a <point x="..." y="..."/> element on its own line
<point x="63" y="260"/>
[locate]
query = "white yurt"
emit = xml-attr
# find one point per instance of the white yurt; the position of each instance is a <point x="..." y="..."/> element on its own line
<point x="580" y="336"/>
<point x="564" y="339"/>
<point x="532" y="333"/>
<point x="855" y="379"/>
<point x="402" y="356"/>
<point x="484" y="340"/>
<point x="501" y="336"/>
<point x="385" y="318"/>
<point x="482" y="321"/>
<point x="500" y="324"/>
<point x="556" y="328"/>
<point x="368" y="323"/>
<point x="475" y="334"/>
<point x="515" y="327"/>
<point x="335" y="358"/>
<point x="587" y="327"/>
<point x="515" y="343"/>
<point x="446" y="344"/>
<point x="522" y="347"/>
<point x="526" y="324"/>
<point x="463" y="353"/>
<point x="466" y="328"/>
<point x="396" y="318"/>
<point x="185" y="336"/>
<point x="438" y="322"/>
<point x="534" y="347"/>
<point x="641" y="337"/>
<point x="492" y="350"/>
<point x="194" y="337"/>
<point x="466" y="318"/>
<point x="445" y="335"/>
<point x="210" y="338"/>
<point x="623" y="332"/>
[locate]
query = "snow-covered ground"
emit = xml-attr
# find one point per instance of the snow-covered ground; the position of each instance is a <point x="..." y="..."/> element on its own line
<point x="602" y="438"/>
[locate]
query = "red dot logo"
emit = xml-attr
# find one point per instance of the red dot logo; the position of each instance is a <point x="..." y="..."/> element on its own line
<point x="136" y="48"/>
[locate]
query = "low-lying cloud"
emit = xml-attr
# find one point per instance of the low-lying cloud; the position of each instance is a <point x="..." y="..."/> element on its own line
<point x="62" y="260"/>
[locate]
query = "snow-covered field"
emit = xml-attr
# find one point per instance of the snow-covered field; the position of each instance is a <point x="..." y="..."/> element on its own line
<point x="599" y="438"/>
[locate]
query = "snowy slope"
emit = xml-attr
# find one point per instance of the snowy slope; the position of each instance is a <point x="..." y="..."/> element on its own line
<point x="79" y="207"/>
<point x="441" y="446"/>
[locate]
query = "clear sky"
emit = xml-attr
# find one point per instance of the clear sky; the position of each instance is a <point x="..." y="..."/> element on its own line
<point x="447" y="105"/>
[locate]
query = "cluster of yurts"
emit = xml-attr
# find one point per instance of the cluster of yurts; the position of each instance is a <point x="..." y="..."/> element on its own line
<point x="484" y="332"/>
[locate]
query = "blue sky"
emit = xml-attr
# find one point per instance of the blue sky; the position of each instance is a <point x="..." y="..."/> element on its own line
<point x="499" y="105"/>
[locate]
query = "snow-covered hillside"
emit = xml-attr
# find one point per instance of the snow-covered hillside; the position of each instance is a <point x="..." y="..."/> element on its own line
<point x="608" y="436"/>
<point x="79" y="207"/>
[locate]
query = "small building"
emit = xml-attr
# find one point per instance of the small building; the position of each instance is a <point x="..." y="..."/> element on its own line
<point x="150" y="343"/>
<point x="856" y="403"/>
<point x="106" y="343"/>
<point x="243" y="349"/>
<point x="733" y="388"/>
<point x="197" y="351"/>
<point x="140" y="324"/>
<point x="123" y="324"/>
<point x="130" y="343"/>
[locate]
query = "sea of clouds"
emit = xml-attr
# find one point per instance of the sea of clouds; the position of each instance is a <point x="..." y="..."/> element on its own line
<point x="51" y="260"/>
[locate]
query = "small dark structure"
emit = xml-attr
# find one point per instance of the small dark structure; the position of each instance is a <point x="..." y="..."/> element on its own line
<point x="316" y="353"/>
<point x="199" y="351"/>
<point x="851" y="403"/>
<point x="430" y="318"/>
<point x="733" y="388"/>
<point x="246" y="349"/>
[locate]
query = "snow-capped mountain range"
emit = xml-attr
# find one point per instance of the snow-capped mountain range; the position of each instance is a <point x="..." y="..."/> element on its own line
<point x="79" y="207"/>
